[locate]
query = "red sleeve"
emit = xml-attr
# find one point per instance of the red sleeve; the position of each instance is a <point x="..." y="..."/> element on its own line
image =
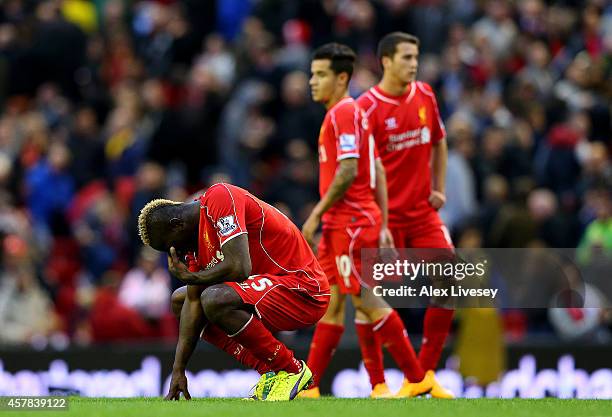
<point x="345" y="122"/>
<point x="368" y="104"/>
<point x="437" y="125"/>
<point x="225" y="209"/>
<point x="439" y="131"/>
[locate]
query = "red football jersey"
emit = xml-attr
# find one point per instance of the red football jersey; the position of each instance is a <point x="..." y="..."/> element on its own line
<point x="345" y="134"/>
<point x="276" y="246"/>
<point x="404" y="129"/>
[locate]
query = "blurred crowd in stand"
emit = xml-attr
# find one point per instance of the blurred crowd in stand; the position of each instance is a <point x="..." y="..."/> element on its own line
<point x="106" y="104"/>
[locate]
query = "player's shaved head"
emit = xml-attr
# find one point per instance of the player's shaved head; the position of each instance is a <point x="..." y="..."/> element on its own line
<point x="341" y="57"/>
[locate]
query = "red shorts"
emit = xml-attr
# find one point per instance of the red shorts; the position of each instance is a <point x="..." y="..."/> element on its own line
<point x="283" y="302"/>
<point x="340" y="256"/>
<point x="430" y="234"/>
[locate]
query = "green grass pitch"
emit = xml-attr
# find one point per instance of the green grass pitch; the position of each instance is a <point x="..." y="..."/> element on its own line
<point x="333" y="407"/>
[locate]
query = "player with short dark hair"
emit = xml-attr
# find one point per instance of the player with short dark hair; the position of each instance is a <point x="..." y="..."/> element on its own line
<point x="410" y="139"/>
<point x="250" y="273"/>
<point x="341" y="58"/>
<point x="387" y="46"/>
<point x="353" y="212"/>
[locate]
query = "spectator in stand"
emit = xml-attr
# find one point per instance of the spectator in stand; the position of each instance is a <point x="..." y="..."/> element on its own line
<point x="460" y="182"/>
<point x="26" y="311"/>
<point x="496" y="28"/>
<point x="146" y="288"/>
<point x="298" y="117"/>
<point x="85" y="142"/>
<point x="102" y="236"/>
<point x="109" y="320"/>
<point x="49" y="187"/>
<point x="597" y="238"/>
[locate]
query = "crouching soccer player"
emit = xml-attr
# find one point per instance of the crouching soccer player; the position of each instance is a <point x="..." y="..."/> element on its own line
<point x="249" y="272"/>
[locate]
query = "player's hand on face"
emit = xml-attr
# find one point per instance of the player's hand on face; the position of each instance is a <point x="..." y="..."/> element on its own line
<point x="437" y="199"/>
<point x="309" y="228"/>
<point x="178" y="384"/>
<point x="177" y="267"/>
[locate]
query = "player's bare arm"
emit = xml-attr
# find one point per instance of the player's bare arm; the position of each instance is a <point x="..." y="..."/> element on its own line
<point x="190" y="326"/>
<point x="386" y="239"/>
<point x="236" y="265"/>
<point x="345" y="175"/>
<point x="438" y="165"/>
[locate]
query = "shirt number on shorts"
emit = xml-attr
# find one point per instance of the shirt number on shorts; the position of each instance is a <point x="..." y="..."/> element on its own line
<point x="261" y="283"/>
<point x="344" y="268"/>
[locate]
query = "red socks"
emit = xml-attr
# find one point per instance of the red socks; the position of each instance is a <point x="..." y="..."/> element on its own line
<point x="258" y="340"/>
<point x="371" y="352"/>
<point x="392" y="333"/>
<point x="435" y="329"/>
<point x="217" y="337"/>
<point x="324" y="342"/>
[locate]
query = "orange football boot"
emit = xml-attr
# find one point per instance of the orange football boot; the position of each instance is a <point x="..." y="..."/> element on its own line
<point x="381" y="391"/>
<point x="310" y="393"/>
<point x="413" y="389"/>
<point x="438" y="391"/>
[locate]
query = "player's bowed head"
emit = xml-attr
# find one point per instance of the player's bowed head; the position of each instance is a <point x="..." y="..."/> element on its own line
<point x="171" y="227"/>
<point x="165" y="224"/>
